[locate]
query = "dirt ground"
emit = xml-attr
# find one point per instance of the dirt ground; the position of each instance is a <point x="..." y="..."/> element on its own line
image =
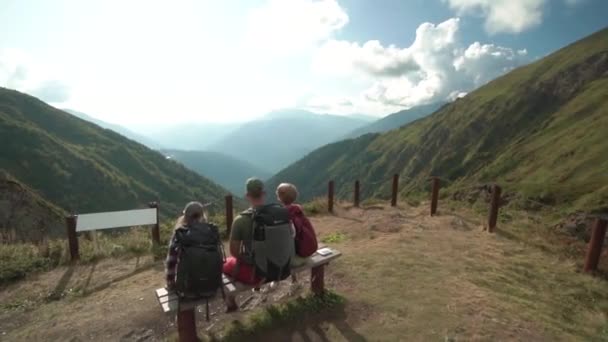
<point x="405" y="276"/>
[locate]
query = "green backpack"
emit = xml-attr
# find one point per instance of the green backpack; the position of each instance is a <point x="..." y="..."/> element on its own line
<point x="200" y="262"/>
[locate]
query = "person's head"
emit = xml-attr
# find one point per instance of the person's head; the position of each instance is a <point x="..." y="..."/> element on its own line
<point x="287" y="193"/>
<point x="193" y="212"/>
<point x="255" y="193"/>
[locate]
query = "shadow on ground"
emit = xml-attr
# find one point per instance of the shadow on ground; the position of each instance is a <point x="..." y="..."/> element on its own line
<point x="328" y="326"/>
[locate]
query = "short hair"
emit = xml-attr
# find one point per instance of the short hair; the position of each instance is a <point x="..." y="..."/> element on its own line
<point x="287" y="193"/>
<point x="254" y="187"/>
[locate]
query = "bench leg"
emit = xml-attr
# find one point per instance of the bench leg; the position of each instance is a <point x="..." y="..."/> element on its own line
<point x="317" y="279"/>
<point x="231" y="305"/>
<point x="186" y="326"/>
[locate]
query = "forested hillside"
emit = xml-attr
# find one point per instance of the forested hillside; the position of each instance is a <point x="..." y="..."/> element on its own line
<point x="81" y="167"/>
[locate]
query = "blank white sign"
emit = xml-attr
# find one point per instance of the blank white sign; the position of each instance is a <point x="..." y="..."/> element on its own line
<point x="115" y="219"/>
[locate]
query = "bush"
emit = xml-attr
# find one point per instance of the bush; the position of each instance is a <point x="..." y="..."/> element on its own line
<point x="316" y="206"/>
<point x="17" y="260"/>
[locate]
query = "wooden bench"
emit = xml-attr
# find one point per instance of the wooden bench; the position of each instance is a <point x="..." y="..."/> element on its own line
<point x="186" y="323"/>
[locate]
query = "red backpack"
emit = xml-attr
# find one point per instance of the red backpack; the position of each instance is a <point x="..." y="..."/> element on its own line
<point x="306" y="239"/>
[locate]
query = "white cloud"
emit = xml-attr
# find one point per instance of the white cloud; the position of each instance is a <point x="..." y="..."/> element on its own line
<point x="438" y="66"/>
<point x="284" y="27"/>
<point x="503" y="16"/>
<point x="19" y="71"/>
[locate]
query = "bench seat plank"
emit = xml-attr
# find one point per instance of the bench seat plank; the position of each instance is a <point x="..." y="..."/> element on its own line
<point x="170" y="302"/>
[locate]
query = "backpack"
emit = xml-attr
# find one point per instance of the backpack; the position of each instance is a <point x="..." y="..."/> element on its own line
<point x="199" y="266"/>
<point x="272" y="244"/>
<point x="306" y="239"/>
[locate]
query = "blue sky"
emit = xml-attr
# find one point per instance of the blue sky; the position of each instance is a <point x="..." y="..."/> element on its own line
<point x="151" y="62"/>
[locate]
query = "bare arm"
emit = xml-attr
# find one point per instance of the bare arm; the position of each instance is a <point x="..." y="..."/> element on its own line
<point x="235" y="248"/>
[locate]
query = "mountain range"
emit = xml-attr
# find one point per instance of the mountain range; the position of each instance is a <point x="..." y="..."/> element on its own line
<point x="282" y="137"/>
<point x="539" y="130"/>
<point x="82" y="167"/>
<point x="228" y="172"/>
<point x="396" y="120"/>
<point x="151" y="143"/>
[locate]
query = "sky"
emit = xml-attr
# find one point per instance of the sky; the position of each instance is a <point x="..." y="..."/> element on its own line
<point x="146" y="62"/>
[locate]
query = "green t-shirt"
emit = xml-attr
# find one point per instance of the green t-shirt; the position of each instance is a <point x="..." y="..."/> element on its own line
<point x="242" y="230"/>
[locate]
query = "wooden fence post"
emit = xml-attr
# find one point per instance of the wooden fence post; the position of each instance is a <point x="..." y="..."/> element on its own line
<point x="494" y="205"/>
<point x="356" y="200"/>
<point x="595" y="245"/>
<point x="72" y="237"/>
<point x="434" y="195"/>
<point x="395" y="190"/>
<point x="186" y="325"/>
<point x="330" y="196"/>
<point x="229" y="214"/>
<point x="156" y="227"/>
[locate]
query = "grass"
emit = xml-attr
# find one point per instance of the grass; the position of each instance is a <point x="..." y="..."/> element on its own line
<point x="17" y="260"/>
<point x="315" y="207"/>
<point x="280" y="315"/>
<point x="20" y="259"/>
<point x="334" y="237"/>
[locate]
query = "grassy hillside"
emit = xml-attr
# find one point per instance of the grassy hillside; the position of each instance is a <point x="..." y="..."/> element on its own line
<point x="396" y="120"/>
<point x="81" y="167"/>
<point x="283" y="137"/>
<point x="227" y="171"/>
<point x="539" y="130"/>
<point x="24" y="214"/>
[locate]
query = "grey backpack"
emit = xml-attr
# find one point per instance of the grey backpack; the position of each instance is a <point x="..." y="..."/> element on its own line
<point x="272" y="245"/>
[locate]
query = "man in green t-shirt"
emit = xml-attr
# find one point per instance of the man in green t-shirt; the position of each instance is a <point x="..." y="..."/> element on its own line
<point x="241" y="236"/>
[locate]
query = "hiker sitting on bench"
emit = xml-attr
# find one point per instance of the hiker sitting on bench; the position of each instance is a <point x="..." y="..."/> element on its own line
<point x="191" y="232"/>
<point x="305" y="236"/>
<point x="261" y="241"/>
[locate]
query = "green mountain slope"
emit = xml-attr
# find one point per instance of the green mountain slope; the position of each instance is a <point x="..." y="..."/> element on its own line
<point x="117" y="128"/>
<point x="539" y="130"/>
<point x="227" y="171"/>
<point x="81" y="167"/>
<point x="282" y="137"/>
<point x="396" y="120"/>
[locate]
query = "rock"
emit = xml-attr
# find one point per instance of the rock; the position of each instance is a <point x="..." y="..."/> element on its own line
<point x="578" y="225"/>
